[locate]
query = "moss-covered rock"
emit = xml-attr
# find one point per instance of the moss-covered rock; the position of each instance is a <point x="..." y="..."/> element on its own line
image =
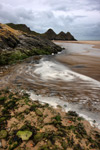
<point x="38" y="137"/>
<point x="3" y="134"/>
<point x="33" y="107"/>
<point x="44" y="147"/>
<point x="38" y="112"/>
<point x="2" y="119"/>
<point x="13" y="145"/>
<point x="10" y="104"/>
<point x="24" y="135"/>
<point x="57" y="117"/>
<point x="64" y="145"/>
<point x="2" y="98"/>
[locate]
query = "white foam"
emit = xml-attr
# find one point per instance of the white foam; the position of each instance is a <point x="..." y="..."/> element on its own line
<point x="55" y="71"/>
<point x="52" y="101"/>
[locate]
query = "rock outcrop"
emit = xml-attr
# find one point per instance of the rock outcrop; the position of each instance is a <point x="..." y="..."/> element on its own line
<point x="8" y="37"/>
<point x="22" y="27"/>
<point x="16" y="45"/>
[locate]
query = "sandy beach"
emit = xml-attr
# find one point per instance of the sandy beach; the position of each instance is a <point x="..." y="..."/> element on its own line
<point x="96" y="44"/>
<point x="86" y="63"/>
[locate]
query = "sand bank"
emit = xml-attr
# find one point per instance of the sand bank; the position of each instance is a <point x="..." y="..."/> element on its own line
<point x="96" y="44"/>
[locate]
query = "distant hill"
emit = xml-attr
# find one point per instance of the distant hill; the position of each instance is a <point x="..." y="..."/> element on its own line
<point x="70" y="36"/>
<point x="61" y="36"/>
<point x="49" y="34"/>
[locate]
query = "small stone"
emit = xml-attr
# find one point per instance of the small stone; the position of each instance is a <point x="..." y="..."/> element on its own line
<point x="65" y="105"/>
<point x="3" y="134"/>
<point x="8" y="129"/>
<point x="24" y="135"/>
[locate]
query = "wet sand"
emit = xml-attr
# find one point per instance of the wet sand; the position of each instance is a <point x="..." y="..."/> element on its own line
<point x="96" y="44"/>
<point x="86" y="64"/>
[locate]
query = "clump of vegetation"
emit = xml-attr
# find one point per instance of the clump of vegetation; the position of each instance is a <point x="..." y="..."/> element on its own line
<point x="34" y="125"/>
<point x="72" y="113"/>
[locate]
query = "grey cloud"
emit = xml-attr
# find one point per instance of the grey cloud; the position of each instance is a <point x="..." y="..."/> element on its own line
<point x="74" y="16"/>
<point x="95" y="4"/>
<point x="25" y="14"/>
<point x="1" y="6"/>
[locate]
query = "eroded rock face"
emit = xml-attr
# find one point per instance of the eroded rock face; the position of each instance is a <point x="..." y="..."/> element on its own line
<point x="7" y="37"/>
<point x="18" y="45"/>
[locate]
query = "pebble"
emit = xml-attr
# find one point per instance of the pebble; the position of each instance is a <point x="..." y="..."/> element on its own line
<point x="8" y="129"/>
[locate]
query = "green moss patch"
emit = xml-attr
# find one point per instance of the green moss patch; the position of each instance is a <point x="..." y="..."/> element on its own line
<point x="24" y="135"/>
<point x="3" y="134"/>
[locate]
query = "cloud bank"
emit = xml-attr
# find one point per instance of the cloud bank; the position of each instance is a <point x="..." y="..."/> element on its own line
<point x="81" y="18"/>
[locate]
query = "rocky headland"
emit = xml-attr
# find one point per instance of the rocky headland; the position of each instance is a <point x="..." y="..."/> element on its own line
<point x="17" y="45"/>
<point x="49" y="34"/>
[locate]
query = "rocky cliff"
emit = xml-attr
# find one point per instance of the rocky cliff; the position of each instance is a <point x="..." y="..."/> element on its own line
<point x="16" y="45"/>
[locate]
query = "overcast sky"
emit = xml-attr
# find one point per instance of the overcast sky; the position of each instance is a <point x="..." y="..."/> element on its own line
<point x="80" y="17"/>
